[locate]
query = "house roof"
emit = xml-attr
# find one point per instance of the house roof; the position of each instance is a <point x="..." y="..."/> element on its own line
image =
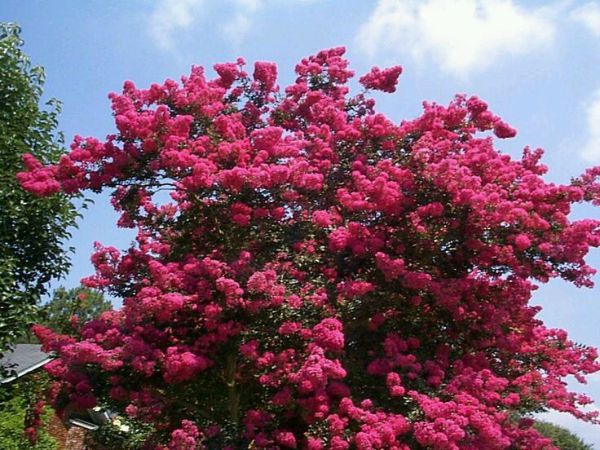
<point x="23" y="358"/>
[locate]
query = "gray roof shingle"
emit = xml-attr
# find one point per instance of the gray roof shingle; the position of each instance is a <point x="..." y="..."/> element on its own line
<point x="23" y="359"/>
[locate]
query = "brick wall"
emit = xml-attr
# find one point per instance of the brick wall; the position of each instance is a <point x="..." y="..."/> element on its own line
<point x="72" y="438"/>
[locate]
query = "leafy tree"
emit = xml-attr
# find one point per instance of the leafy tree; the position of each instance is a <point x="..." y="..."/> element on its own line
<point x="321" y="277"/>
<point x="70" y="307"/>
<point x="562" y="438"/>
<point x="32" y="229"/>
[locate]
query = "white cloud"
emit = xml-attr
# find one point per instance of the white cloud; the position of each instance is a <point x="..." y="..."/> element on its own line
<point x="236" y="29"/>
<point x="244" y="13"/>
<point x="463" y="36"/>
<point x="591" y="149"/>
<point x="589" y="16"/>
<point x="170" y="17"/>
<point x="250" y="5"/>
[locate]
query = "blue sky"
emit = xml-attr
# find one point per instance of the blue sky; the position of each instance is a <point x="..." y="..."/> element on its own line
<point x="535" y="62"/>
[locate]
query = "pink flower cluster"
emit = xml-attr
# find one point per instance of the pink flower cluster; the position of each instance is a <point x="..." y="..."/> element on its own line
<point x="320" y="276"/>
<point x="382" y="80"/>
<point x="33" y="419"/>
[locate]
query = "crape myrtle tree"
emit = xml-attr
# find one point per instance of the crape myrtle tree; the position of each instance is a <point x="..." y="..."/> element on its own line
<point x="321" y="277"/>
<point x="32" y="229"/>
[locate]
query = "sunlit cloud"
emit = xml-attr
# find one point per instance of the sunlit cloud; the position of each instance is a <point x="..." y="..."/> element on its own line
<point x="463" y="36"/>
<point x="170" y="17"/>
<point x="591" y="148"/>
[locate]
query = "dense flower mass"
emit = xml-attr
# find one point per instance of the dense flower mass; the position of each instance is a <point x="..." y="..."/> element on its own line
<point x="319" y="276"/>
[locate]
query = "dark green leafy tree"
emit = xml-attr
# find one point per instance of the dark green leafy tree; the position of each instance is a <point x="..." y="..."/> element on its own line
<point x="561" y="437"/>
<point x="69" y="307"/>
<point x="32" y="229"/>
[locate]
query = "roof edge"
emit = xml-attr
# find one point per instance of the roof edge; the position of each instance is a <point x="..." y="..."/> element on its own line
<point x="26" y="371"/>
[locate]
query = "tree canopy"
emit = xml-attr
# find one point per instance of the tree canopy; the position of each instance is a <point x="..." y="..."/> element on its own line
<point x="70" y="308"/>
<point x="562" y="438"/>
<point x="319" y="276"/>
<point x="33" y="230"/>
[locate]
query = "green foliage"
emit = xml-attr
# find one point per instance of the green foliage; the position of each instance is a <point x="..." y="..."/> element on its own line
<point x="123" y="433"/>
<point x="83" y="303"/>
<point x="32" y="230"/>
<point x="13" y="412"/>
<point x="561" y="437"/>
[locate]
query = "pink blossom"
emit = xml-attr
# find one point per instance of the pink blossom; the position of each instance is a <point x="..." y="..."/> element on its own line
<point x="382" y="80"/>
<point x="265" y="73"/>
